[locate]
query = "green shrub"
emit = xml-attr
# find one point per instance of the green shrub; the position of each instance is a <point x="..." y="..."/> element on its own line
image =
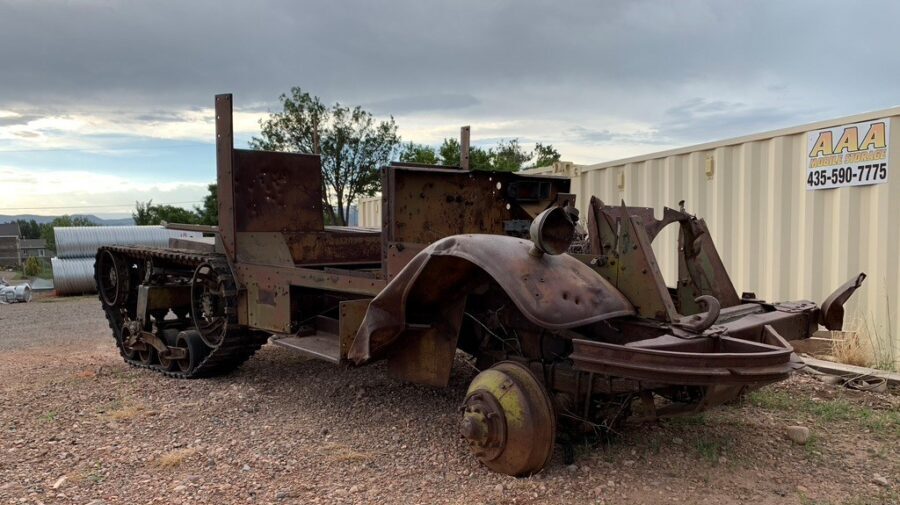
<point x="33" y="267"/>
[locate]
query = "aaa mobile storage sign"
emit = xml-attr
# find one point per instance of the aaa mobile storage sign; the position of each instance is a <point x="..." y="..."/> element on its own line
<point x="851" y="155"/>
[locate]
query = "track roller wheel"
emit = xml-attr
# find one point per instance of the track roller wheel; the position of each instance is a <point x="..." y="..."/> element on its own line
<point x="196" y="351"/>
<point x="509" y="420"/>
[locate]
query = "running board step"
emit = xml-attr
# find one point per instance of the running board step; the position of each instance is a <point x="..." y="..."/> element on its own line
<point x="322" y="345"/>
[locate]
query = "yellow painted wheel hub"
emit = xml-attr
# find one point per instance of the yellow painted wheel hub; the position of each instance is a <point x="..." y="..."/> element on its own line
<point x="508" y="420"/>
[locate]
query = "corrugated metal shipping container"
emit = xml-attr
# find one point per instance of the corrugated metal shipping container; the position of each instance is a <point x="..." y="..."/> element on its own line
<point x="776" y="237"/>
<point x="370" y="212"/>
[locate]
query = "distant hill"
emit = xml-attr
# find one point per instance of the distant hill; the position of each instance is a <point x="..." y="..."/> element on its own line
<point x="122" y="221"/>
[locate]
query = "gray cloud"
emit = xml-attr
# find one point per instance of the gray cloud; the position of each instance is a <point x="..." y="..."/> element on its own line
<point x="757" y="64"/>
<point x="698" y="119"/>
<point x="159" y="116"/>
<point x="422" y="103"/>
<point x="18" y="120"/>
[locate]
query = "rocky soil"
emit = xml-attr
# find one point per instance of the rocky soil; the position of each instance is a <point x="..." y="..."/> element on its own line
<point x="77" y="425"/>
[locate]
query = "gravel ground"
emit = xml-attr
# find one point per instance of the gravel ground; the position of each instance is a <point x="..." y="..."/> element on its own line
<point x="77" y="425"/>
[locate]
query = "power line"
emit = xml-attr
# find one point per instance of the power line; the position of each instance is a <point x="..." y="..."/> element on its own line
<point x="91" y="206"/>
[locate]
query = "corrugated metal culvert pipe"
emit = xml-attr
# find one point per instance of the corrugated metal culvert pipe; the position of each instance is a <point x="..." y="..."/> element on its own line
<point x="83" y="241"/>
<point x="76" y="246"/>
<point x="73" y="276"/>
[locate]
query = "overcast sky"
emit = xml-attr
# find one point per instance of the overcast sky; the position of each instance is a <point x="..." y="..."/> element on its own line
<point x="106" y="102"/>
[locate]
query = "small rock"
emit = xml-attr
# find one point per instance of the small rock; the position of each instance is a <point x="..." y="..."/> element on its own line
<point x="246" y="468"/>
<point x="180" y="488"/>
<point x="678" y="440"/>
<point x="880" y="480"/>
<point x="498" y="488"/>
<point x="354" y="489"/>
<point x="281" y="494"/>
<point x="798" y="434"/>
<point x="723" y="460"/>
<point x="95" y="502"/>
<point x="611" y="484"/>
<point x="831" y="379"/>
<point x="572" y="468"/>
<point x="629" y="462"/>
<point x="802" y="489"/>
<point x="59" y="482"/>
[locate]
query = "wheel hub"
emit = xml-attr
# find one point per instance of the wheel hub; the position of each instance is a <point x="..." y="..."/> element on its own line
<point x="508" y="420"/>
<point x="484" y="425"/>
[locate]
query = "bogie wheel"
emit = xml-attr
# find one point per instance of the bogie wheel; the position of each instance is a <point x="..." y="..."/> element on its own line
<point x="509" y="420"/>
<point x="196" y="351"/>
<point x="113" y="278"/>
<point x="212" y="303"/>
<point x="169" y="336"/>
<point x="148" y="355"/>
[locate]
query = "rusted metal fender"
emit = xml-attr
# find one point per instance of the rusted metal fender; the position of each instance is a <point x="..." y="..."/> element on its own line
<point x="553" y="292"/>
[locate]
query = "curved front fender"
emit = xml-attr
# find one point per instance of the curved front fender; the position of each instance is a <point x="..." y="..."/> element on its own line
<point x="553" y="292"/>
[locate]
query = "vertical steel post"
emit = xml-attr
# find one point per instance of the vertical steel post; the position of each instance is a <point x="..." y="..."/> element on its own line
<point x="224" y="171"/>
<point x="464" y="147"/>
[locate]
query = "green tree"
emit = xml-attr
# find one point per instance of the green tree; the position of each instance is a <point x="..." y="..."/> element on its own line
<point x="62" y="222"/>
<point x="509" y="156"/>
<point x="449" y="152"/>
<point x="353" y="146"/>
<point x="30" y="229"/>
<point x="142" y="214"/>
<point x="478" y="158"/>
<point x="506" y="156"/>
<point x="545" y="155"/>
<point x="149" y="214"/>
<point x="209" y="212"/>
<point x="418" y="153"/>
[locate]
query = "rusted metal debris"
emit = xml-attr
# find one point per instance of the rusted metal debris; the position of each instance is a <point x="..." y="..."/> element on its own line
<point x="571" y="323"/>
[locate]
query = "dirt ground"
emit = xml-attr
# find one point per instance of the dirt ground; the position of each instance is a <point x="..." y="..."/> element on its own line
<point x="77" y="425"/>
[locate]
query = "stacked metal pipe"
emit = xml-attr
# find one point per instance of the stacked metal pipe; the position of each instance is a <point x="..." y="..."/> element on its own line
<point x="76" y="247"/>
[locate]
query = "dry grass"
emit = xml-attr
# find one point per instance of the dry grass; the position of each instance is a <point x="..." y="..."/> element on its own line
<point x="864" y="345"/>
<point x="174" y="459"/>
<point x="124" y="411"/>
<point x="851" y="348"/>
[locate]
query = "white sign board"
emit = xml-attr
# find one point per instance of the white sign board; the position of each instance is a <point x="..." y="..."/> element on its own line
<point x="849" y="155"/>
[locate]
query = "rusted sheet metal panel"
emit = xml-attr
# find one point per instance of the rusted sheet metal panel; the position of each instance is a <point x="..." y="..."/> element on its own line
<point x="775" y="237"/>
<point x="311" y="278"/>
<point x="352" y="313"/>
<point x="334" y="247"/>
<point x="269" y="305"/>
<point x="277" y="191"/>
<point x="551" y="291"/>
<point x="430" y="204"/>
<point x="263" y="248"/>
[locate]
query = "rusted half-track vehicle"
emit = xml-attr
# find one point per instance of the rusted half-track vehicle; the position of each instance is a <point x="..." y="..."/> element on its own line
<point x="569" y="331"/>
